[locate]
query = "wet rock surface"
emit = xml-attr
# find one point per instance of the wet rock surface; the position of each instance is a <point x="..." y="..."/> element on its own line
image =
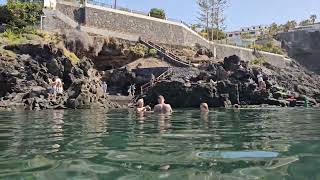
<point x="24" y="80"/>
<point x="235" y="82"/>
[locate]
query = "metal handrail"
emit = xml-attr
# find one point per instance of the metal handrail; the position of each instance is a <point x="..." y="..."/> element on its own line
<point x="148" y="85"/>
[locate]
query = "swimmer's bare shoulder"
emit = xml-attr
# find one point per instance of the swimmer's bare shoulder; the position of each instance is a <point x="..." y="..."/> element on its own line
<point x="167" y="108"/>
<point x="157" y="108"/>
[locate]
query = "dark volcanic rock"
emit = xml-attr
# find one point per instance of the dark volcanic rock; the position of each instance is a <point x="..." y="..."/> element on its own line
<point x="25" y="80"/>
<point x="234" y="82"/>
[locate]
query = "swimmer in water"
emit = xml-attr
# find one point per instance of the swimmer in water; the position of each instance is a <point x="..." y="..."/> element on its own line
<point x="140" y="106"/>
<point x="161" y="107"/>
<point x="204" y="107"/>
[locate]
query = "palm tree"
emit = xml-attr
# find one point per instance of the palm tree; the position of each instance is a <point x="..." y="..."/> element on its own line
<point x="313" y="18"/>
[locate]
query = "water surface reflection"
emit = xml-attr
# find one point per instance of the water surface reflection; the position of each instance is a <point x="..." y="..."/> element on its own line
<point x="96" y="144"/>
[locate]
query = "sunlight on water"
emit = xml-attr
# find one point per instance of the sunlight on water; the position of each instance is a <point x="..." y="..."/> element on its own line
<point x="96" y="144"/>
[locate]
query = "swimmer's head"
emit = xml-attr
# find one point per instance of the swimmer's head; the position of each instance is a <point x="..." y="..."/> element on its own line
<point x="160" y="99"/>
<point x="140" y="102"/>
<point x="204" y="107"/>
<point x="236" y="106"/>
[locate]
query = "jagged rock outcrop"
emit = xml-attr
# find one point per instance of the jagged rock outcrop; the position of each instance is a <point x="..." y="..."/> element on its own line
<point x="25" y="79"/>
<point x="235" y="82"/>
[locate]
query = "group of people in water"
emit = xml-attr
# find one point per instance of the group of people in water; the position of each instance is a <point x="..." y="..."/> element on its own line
<point x="162" y="107"/>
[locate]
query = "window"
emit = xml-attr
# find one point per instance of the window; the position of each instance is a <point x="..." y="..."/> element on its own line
<point x="242" y="29"/>
<point x="230" y="35"/>
<point x="254" y="28"/>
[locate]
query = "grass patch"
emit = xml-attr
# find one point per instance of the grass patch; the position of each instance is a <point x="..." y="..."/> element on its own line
<point x="268" y="47"/>
<point x="258" y="61"/>
<point x="71" y="56"/>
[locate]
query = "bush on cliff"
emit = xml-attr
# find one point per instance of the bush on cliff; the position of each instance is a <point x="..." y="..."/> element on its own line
<point x="157" y="13"/>
<point x="139" y="50"/>
<point x="258" y="61"/>
<point x="153" y="52"/>
<point x="18" y="15"/>
<point x="268" y="47"/>
<point x="211" y="34"/>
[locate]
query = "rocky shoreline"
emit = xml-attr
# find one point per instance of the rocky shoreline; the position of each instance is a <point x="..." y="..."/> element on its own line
<point x="24" y="79"/>
<point x="233" y="81"/>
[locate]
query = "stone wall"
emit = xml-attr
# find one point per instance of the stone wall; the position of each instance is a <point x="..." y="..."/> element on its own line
<point x="154" y="29"/>
<point x="125" y="25"/>
<point x="304" y="46"/>
<point x="71" y="10"/>
<point x="249" y="55"/>
<point x="53" y="23"/>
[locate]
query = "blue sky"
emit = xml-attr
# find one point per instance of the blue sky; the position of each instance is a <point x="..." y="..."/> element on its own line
<point x="240" y="13"/>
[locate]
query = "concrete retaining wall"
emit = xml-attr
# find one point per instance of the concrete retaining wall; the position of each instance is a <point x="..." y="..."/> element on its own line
<point x="248" y="54"/>
<point x="125" y="25"/>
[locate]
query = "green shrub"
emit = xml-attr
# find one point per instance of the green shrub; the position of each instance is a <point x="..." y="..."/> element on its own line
<point x="12" y="36"/>
<point x="268" y="47"/>
<point x="246" y="36"/>
<point x="153" y="52"/>
<point x="208" y="34"/>
<point x="139" y="50"/>
<point x="258" y="61"/>
<point x="19" y="15"/>
<point x="158" y="13"/>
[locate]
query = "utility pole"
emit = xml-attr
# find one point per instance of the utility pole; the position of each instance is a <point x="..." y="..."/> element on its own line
<point x="115" y="4"/>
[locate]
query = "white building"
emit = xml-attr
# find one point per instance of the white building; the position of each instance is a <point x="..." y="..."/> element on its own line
<point x="253" y="31"/>
<point x="51" y="4"/>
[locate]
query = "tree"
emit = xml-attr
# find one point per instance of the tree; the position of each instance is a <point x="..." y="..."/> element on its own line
<point x="273" y="29"/>
<point x="212" y="13"/>
<point x="157" y="13"/>
<point x="218" y="18"/>
<point x="214" y="34"/>
<point x="289" y="25"/>
<point x="204" y="14"/>
<point x="305" y="23"/>
<point x="313" y="18"/>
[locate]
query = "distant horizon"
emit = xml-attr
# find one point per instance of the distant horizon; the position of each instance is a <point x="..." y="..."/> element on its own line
<point x="238" y="14"/>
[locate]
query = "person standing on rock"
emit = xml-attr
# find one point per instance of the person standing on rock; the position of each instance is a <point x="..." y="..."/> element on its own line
<point x="152" y="80"/>
<point x="58" y="86"/>
<point x="262" y="84"/>
<point x="162" y="108"/>
<point x="133" y="89"/>
<point x="105" y="87"/>
<point x="130" y="91"/>
<point x="51" y="90"/>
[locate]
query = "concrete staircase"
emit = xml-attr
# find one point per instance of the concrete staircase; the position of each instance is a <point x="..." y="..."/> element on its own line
<point x="167" y="56"/>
